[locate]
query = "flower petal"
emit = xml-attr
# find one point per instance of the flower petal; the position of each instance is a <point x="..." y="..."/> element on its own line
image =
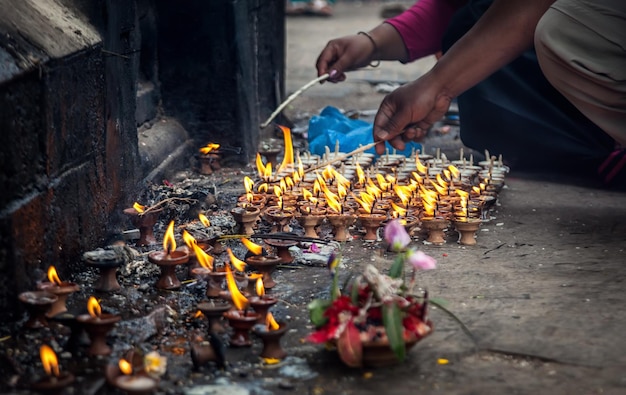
<point x="396" y="236"/>
<point x="421" y="261"/>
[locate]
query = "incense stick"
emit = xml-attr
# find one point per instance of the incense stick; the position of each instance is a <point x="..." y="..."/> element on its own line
<point x="292" y="97"/>
<point x="342" y="157"/>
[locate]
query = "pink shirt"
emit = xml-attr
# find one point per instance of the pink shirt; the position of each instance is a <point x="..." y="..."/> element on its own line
<point x="422" y="26"/>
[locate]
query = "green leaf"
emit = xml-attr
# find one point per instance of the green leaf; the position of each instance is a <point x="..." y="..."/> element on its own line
<point x="350" y="347"/>
<point x="393" y="326"/>
<point x="317" y="307"/>
<point x="397" y="267"/>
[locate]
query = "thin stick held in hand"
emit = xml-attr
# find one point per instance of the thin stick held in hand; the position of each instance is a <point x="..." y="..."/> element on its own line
<point x="292" y="97"/>
<point x="342" y="157"/>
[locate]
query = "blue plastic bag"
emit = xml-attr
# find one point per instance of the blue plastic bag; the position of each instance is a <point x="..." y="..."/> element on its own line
<point x="332" y="126"/>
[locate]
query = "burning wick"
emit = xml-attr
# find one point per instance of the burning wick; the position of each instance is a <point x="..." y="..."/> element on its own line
<point x="169" y="242"/>
<point x="49" y="360"/>
<point x="139" y="208"/>
<point x="260" y="289"/>
<point x="205" y="221"/>
<point x="53" y="277"/>
<point x="270" y="323"/>
<point x="93" y="307"/>
<point x="125" y="367"/>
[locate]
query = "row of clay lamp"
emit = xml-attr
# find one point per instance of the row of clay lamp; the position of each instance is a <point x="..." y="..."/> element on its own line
<point x="460" y="196"/>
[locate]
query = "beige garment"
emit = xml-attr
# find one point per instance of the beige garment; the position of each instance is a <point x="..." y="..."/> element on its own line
<point x="581" y="47"/>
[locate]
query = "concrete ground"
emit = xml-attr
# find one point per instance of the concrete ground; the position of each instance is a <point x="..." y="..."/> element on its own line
<point x="542" y="292"/>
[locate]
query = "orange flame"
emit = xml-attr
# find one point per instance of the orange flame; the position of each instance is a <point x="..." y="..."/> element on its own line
<point x="139" y="208"/>
<point x="198" y="314"/>
<point x="283" y="185"/>
<point x="208" y="148"/>
<point x="205" y="260"/>
<point x="263" y="188"/>
<point x="260" y="288"/>
<point x="289" y="182"/>
<point x="169" y="243"/>
<point x="327" y="173"/>
<point x="398" y="210"/>
<point x="239" y="300"/>
<point x="341" y="191"/>
<point x="93" y="307"/>
<point x="189" y="239"/>
<point x="333" y="204"/>
<point x="403" y="193"/>
<point x="317" y="188"/>
<point x="205" y="221"/>
<point x="476" y="190"/>
<point x="254" y="276"/>
<point x="306" y="194"/>
<point x="421" y="169"/>
<point x="366" y="201"/>
<point x="360" y="174"/>
<point x="237" y="263"/>
<point x="296" y="177"/>
<point x="300" y="167"/>
<point x="384" y="185"/>
<point x="260" y="166"/>
<point x="253" y="247"/>
<point x="267" y="173"/>
<point x="288" y="158"/>
<point x="125" y="367"/>
<point x="49" y="360"/>
<point x="271" y="323"/>
<point x="248" y="184"/>
<point x="53" y="277"/>
<point x="454" y="170"/>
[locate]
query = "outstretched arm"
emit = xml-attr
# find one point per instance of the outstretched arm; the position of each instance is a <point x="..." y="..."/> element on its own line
<point x="501" y="35"/>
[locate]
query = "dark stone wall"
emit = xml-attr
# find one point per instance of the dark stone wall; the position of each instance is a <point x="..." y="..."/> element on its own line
<point x="221" y="66"/>
<point x="68" y="150"/>
<point x="69" y="155"/>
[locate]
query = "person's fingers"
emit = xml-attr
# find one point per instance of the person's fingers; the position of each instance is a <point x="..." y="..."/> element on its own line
<point x="326" y="58"/>
<point x="388" y="123"/>
<point x="398" y="143"/>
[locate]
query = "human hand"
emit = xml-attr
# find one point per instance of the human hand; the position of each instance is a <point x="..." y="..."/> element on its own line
<point x="344" y="54"/>
<point x="407" y="113"/>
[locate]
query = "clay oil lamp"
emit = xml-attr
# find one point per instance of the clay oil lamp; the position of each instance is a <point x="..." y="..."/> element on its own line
<point x="97" y="325"/>
<point x="133" y="384"/>
<point x="340" y="219"/>
<point x="250" y="199"/>
<point x="246" y="217"/>
<point x="55" y="381"/>
<point x="466" y="226"/>
<point x="209" y="158"/>
<point x="270" y="333"/>
<point x="280" y="215"/>
<point x="370" y="221"/>
<point x="38" y="303"/>
<point x="261" y="303"/>
<point x="215" y="284"/>
<point x="62" y="289"/>
<point x="214" y="310"/>
<point x="310" y="218"/>
<point x="241" y="319"/>
<point x="107" y="263"/>
<point x="144" y="220"/>
<point x="193" y="248"/>
<point x="167" y="260"/>
<point x="282" y="249"/>
<point x="262" y="263"/>
<point x="432" y="221"/>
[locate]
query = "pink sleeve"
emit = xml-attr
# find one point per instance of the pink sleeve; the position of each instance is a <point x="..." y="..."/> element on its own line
<point x="422" y="26"/>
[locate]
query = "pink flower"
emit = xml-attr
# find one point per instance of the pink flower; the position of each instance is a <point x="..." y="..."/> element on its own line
<point x="396" y="236"/>
<point x="419" y="260"/>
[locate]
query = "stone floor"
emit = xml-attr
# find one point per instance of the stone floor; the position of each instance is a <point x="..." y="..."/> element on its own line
<point x="542" y="292"/>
